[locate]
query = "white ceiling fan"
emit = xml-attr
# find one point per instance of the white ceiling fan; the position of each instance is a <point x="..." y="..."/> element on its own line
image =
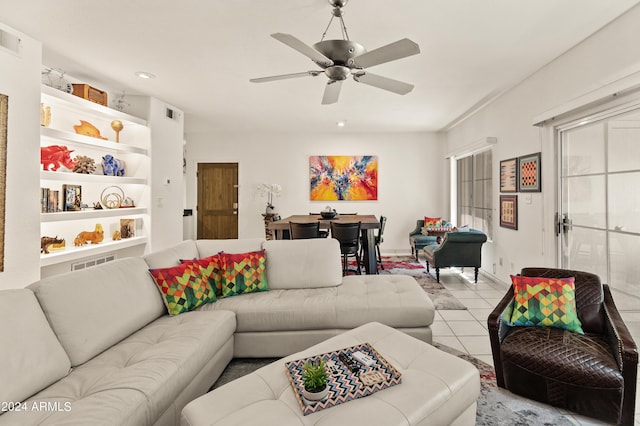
<point x="340" y="59"/>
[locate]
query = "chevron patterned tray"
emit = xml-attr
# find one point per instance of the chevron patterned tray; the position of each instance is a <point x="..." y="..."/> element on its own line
<point x="344" y="385"/>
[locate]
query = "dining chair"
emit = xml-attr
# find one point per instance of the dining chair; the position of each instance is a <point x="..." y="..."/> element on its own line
<point x="377" y="242"/>
<point x="300" y="231"/>
<point x="348" y="235"/>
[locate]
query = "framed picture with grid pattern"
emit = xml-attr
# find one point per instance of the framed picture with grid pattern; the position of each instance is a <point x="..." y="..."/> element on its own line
<point x="529" y="167"/>
<point x="509" y="211"/>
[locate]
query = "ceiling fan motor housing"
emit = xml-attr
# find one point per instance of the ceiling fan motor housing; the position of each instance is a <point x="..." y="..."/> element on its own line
<point x="341" y="52"/>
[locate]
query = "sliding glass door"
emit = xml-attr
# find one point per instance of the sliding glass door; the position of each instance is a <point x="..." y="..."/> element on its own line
<point x="599" y="215"/>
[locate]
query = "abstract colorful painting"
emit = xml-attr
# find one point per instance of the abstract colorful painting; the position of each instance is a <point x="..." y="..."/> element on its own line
<point x="343" y="177"/>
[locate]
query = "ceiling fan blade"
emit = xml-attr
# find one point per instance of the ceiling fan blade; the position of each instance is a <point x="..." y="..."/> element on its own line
<point x="384" y="83"/>
<point x="285" y="76"/>
<point x="303" y="48"/>
<point x="391" y="52"/>
<point x="332" y="92"/>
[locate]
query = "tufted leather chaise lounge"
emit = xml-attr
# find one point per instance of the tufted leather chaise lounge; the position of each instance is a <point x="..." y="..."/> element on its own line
<point x="457" y="249"/>
<point x="592" y="374"/>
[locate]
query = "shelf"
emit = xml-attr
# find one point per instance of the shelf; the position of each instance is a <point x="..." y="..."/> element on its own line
<point x="89" y="141"/>
<point x="91" y="214"/>
<point x="72" y="253"/>
<point x="134" y="150"/>
<point x="80" y="177"/>
<point x="58" y="97"/>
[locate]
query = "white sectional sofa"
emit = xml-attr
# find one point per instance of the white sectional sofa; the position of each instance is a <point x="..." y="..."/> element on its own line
<point x="98" y="347"/>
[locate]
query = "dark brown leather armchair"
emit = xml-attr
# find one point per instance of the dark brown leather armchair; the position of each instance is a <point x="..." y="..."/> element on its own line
<point x="592" y="374"/>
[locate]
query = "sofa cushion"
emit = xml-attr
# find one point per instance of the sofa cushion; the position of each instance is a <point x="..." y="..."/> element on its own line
<point x="31" y="356"/>
<point x="549" y="302"/>
<point x="133" y="382"/>
<point x="243" y="245"/>
<point x="171" y="256"/>
<point x="212" y="269"/>
<point x="184" y="287"/>
<point x="395" y="300"/>
<point x="243" y="273"/>
<point x="93" y="309"/>
<point x="311" y="263"/>
<point x="432" y="222"/>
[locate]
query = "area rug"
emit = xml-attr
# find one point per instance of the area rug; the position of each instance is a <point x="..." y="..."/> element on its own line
<point x="407" y="265"/>
<point x="495" y="406"/>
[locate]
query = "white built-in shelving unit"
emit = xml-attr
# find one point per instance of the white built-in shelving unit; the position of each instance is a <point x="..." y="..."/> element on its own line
<point x="133" y="148"/>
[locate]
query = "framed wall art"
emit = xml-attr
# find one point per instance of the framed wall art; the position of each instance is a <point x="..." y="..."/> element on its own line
<point x="343" y="177"/>
<point x="509" y="175"/>
<point x="4" y="113"/>
<point x="509" y="211"/>
<point x="529" y="173"/>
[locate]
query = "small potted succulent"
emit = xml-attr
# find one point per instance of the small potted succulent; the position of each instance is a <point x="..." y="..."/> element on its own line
<point x="314" y="379"/>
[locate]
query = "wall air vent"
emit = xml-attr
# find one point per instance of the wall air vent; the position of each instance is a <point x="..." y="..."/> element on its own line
<point x="170" y="113"/>
<point x="92" y="262"/>
<point x="10" y="42"/>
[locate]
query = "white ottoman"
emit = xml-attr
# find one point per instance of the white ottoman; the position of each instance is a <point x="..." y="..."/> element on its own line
<point x="437" y="389"/>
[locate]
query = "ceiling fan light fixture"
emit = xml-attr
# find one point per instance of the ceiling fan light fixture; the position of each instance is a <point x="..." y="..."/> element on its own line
<point x="337" y="72"/>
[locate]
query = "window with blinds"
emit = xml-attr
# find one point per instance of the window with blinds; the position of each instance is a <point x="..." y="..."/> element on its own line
<point x="474" y="187"/>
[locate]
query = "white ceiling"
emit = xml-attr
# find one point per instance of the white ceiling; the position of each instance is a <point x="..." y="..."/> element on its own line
<point x="204" y="52"/>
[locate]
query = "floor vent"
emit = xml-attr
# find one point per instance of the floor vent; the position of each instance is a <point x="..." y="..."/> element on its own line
<point x="9" y="41"/>
<point x="92" y="262"/>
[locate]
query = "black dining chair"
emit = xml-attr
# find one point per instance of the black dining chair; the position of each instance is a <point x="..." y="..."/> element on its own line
<point x="348" y="235"/>
<point x="300" y="231"/>
<point x="377" y="241"/>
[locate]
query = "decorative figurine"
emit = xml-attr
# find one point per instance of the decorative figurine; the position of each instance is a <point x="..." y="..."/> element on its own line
<point x="93" y="237"/>
<point x="56" y="156"/>
<point x="84" y="165"/>
<point x="45" y="115"/>
<point x="117" y="126"/>
<point x="116" y="235"/>
<point x="50" y="242"/>
<point x="111" y="166"/>
<point x="87" y="129"/>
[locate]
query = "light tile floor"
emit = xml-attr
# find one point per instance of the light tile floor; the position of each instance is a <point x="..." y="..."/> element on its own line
<point x="466" y="330"/>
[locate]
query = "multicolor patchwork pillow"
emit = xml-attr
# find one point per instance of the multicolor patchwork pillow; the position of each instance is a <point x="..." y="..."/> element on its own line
<point x="433" y="222"/>
<point x="243" y="273"/>
<point x="184" y="287"/>
<point x="549" y="302"/>
<point x="212" y="269"/>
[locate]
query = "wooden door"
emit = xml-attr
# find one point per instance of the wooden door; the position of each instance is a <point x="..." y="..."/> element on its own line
<point x="217" y="200"/>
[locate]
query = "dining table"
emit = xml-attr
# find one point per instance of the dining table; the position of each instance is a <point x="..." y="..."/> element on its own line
<point x="368" y="224"/>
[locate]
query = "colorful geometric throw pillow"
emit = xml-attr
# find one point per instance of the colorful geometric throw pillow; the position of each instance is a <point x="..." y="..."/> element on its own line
<point x="549" y="302"/>
<point x="184" y="287"/>
<point x="432" y="222"/>
<point x="212" y="269"/>
<point x="243" y="273"/>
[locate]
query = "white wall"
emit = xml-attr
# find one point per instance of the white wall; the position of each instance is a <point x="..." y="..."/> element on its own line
<point x="167" y="180"/>
<point x="606" y="56"/>
<point x="411" y="176"/>
<point x="20" y="80"/>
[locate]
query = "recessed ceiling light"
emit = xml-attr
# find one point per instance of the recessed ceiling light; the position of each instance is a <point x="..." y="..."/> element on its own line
<point x="341" y="123"/>
<point x="145" y="75"/>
